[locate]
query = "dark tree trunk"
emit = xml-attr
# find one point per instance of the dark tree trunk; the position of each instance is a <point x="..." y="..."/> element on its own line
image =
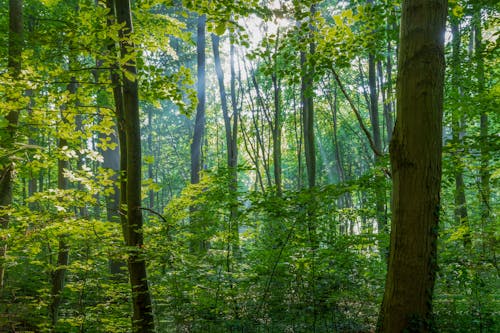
<point x="142" y="320"/>
<point x="7" y="171"/>
<point x="276" y="128"/>
<point x="308" y="117"/>
<point x="416" y="169"/>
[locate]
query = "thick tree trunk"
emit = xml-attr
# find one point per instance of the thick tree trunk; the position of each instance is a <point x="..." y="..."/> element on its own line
<point x="143" y="320"/>
<point x="416" y="169"/>
<point x="7" y="171"/>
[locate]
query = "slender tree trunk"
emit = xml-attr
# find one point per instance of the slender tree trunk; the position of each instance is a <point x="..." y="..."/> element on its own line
<point x="416" y="169"/>
<point x="307" y="99"/>
<point x="199" y="125"/>
<point x="377" y="140"/>
<point x="199" y="244"/>
<point x="151" y="195"/>
<point x="461" y="214"/>
<point x="231" y="136"/>
<point x="387" y="97"/>
<point x="7" y="171"/>
<point x="117" y="158"/>
<point x="233" y="156"/>
<point x="484" y="170"/>
<point x="142" y="320"/>
<point x="58" y="276"/>
<point x="308" y="116"/>
<point x="259" y="131"/>
<point x="276" y="128"/>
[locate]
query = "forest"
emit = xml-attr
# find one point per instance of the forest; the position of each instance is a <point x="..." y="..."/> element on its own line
<point x="249" y="166"/>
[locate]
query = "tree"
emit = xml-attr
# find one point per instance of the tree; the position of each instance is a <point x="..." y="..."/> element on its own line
<point x="231" y="134"/>
<point x="199" y="125"/>
<point x="416" y="169"/>
<point x="7" y="165"/>
<point x="143" y="320"/>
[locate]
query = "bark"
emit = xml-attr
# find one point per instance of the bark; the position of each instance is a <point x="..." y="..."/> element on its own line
<point x="308" y="116"/>
<point x="415" y="152"/>
<point x="276" y="129"/>
<point x="7" y="171"/>
<point x="142" y="320"/>
<point x="199" y="125"/>
<point x="461" y="214"/>
<point x="374" y="117"/>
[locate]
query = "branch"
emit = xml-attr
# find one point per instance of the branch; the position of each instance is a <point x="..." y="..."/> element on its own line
<point x="358" y="115"/>
<point x="155" y="213"/>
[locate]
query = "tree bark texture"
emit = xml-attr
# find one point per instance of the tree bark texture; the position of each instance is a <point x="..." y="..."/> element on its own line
<point x="143" y="320"/>
<point x="416" y="169"/>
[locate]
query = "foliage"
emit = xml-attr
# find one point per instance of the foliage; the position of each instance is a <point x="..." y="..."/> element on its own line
<point x="302" y="261"/>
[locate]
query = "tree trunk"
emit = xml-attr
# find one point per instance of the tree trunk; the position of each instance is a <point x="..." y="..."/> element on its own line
<point x="199" y="125"/>
<point x="374" y="117"/>
<point x="231" y="137"/>
<point x="58" y="276"/>
<point x="142" y="320"/>
<point x="7" y="171"/>
<point x="416" y="169"/>
<point x="276" y="128"/>
<point x="484" y="171"/>
<point x="461" y="215"/>
<point x="308" y="116"/>
<point x="199" y="243"/>
<point x="151" y="194"/>
<point x="233" y="158"/>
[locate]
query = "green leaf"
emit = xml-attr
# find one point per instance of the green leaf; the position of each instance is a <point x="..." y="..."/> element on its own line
<point x="220" y="28"/>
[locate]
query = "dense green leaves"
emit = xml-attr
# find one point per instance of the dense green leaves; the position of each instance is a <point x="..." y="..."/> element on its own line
<point x="281" y="274"/>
